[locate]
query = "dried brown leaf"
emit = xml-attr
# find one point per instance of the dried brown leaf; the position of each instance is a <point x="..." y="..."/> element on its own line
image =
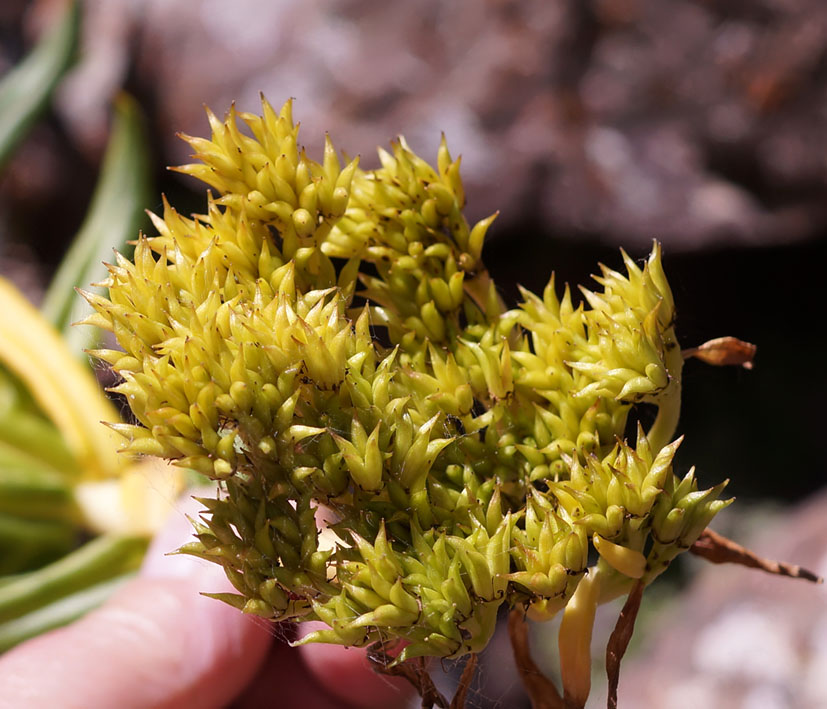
<point x="412" y="670"/>
<point x="458" y="702"/>
<point x="540" y="689"/>
<point x="720" y="550"/>
<point x="619" y="640"/>
<point x="723" y="351"/>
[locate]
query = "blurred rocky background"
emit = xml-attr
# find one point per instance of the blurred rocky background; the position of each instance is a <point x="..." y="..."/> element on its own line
<point x="590" y="124"/>
<point x="693" y="121"/>
<point x="741" y="639"/>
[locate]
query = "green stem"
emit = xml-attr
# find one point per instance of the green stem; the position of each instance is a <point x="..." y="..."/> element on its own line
<point x="26" y="433"/>
<point x="31" y="489"/>
<point x="669" y="401"/>
<point x="103" y="558"/>
<point x="613" y="584"/>
<point x="660" y="556"/>
<point x="59" y="613"/>
<point x="30" y="543"/>
<point x="114" y="217"/>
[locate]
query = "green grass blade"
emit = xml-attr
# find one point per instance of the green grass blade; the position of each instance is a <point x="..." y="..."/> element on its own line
<point x="114" y="217"/>
<point x="102" y="558"/>
<point x="57" y="614"/>
<point x="31" y="490"/>
<point x="24" y="428"/>
<point x="32" y="435"/>
<point x="25" y="90"/>
<point x="29" y="543"/>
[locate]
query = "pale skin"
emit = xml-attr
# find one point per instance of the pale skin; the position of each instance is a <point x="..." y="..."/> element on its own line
<point x="158" y="644"/>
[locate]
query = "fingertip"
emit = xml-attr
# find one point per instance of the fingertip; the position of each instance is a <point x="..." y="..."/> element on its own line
<point x="158" y="642"/>
<point x="347" y="674"/>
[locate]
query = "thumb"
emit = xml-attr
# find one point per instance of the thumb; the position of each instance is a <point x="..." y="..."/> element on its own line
<point x="156" y="643"/>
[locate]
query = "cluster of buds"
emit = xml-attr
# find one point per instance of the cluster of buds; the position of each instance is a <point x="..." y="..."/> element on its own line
<point x="399" y="454"/>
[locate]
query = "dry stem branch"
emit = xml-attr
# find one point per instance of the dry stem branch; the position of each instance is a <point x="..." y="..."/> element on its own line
<point x="720" y="550"/>
<point x="723" y="351"/>
<point x="619" y="640"/>
<point x="413" y="670"/>
<point x="458" y="702"/>
<point x="541" y="690"/>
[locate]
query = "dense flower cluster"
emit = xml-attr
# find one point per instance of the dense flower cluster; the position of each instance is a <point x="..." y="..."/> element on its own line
<point x="327" y="337"/>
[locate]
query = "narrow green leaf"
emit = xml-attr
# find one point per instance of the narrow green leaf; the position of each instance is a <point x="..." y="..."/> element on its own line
<point x="25" y="90"/>
<point x="114" y="218"/>
<point x="102" y="558"/>
<point x="31" y="490"/>
<point x="25" y="428"/>
<point x="63" y="386"/>
<point x="8" y="578"/>
<point x="28" y="544"/>
<point x="37" y="438"/>
<point x="59" y="613"/>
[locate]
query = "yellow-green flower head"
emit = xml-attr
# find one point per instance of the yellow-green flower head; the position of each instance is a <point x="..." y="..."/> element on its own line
<point x="326" y="339"/>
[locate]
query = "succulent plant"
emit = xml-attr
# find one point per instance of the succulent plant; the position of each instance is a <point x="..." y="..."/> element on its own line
<point x="399" y="454"/>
